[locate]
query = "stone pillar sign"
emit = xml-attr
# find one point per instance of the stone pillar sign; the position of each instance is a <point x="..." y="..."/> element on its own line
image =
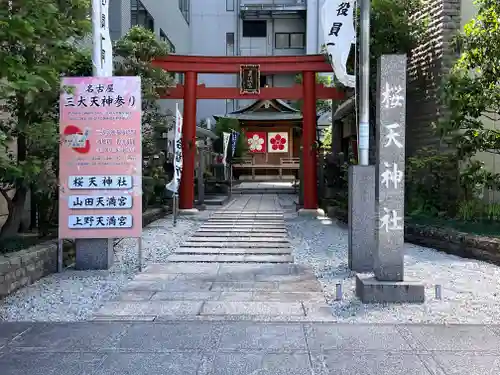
<point x="389" y="285"/>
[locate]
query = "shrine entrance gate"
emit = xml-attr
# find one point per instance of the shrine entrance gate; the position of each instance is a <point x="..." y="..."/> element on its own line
<point x="190" y="92"/>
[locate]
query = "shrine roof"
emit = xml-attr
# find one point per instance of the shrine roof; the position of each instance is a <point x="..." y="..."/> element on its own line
<point x="265" y="110"/>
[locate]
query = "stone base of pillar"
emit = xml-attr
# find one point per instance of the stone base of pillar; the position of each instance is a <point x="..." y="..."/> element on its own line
<point x="188" y="211"/>
<point x="361" y="218"/>
<point x="315" y="212"/>
<point x="371" y="290"/>
<point x="94" y="254"/>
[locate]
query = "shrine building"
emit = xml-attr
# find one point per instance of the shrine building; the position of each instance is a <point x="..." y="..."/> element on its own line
<point x="272" y="130"/>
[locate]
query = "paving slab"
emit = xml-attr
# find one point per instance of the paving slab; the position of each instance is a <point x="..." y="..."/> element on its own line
<point x="453" y="337"/>
<point x="244" y="286"/>
<point x="10" y="331"/>
<point x="252" y="308"/>
<point x="355" y="337"/>
<point x="369" y="363"/>
<point x="243" y="344"/>
<point x="164" y="286"/>
<point x="135" y="295"/>
<point x="267" y="337"/>
<point x="37" y="363"/>
<point x="82" y="336"/>
<point x="199" y="269"/>
<point x="180" y="336"/>
<point x="186" y="296"/>
<point x="151" y="308"/>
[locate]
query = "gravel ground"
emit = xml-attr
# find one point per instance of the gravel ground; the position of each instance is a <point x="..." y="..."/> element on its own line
<point x="75" y="295"/>
<point x="470" y="288"/>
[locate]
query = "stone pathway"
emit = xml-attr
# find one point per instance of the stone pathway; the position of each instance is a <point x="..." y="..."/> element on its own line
<point x="236" y="348"/>
<point x="237" y="266"/>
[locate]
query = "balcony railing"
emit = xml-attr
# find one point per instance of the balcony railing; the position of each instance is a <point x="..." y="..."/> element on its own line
<point x="271" y="7"/>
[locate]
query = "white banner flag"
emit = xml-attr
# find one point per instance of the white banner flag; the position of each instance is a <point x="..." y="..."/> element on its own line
<point x="337" y="20"/>
<point x="102" y="56"/>
<point x="226" y="137"/>
<point x="173" y="185"/>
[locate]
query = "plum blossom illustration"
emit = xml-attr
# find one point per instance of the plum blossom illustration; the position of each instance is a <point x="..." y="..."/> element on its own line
<point x="255" y="143"/>
<point x="278" y="142"/>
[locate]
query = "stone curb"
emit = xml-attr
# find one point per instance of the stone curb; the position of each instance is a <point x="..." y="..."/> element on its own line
<point x="465" y="245"/>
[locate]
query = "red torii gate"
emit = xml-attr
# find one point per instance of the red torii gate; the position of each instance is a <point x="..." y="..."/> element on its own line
<point x="309" y="91"/>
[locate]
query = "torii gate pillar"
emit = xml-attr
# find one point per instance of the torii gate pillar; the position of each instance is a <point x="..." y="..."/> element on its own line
<point x="186" y="195"/>
<point x="309" y="152"/>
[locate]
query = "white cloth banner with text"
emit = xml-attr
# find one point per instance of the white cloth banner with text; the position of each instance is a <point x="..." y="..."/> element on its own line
<point x="102" y="56"/>
<point x="225" y="139"/>
<point x="337" y="20"/>
<point x="173" y="185"/>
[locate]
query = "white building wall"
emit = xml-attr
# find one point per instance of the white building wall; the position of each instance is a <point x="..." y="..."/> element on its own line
<point x="170" y="20"/>
<point x="210" y="21"/>
<point x="313" y="42"/>
<point x="167" y="17"/>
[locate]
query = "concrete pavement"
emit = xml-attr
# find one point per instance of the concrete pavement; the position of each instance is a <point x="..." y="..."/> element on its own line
<point x="238" y="348"/>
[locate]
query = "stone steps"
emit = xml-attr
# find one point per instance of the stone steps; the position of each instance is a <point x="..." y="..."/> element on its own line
<point x="239" y="233"/>
<point x="233" y="258"/>
<point x="247" y="238"/>
<point x="246" y="221"/>
<point x="238" y="266"/>
<point x="236" y="244"/>
<point x="231" y="230"/>
<point x="245" y="227"/>
<point x="232" y="251"/>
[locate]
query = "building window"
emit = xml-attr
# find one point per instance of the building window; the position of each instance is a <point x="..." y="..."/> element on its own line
<point x="263" y="80"/>
<point x="230" y="5"/>
<point x="139" y="15"/>
<point x="184" y="6"/>
<point x="254" y="29"/>
<point x="164" y="38"/>
<point x="229" y="44"/>
<point x="289" y="40"/>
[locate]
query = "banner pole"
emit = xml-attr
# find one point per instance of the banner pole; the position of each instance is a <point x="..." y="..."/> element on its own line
<point x="139" y="248"/>
<point x="60" y="250"/>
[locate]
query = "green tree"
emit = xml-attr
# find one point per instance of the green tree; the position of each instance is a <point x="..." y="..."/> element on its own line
<point x="227" y="125"/>
<point x="134" y="54"/>
<point x="471" y="93"/>
<point x="37" y="48"/>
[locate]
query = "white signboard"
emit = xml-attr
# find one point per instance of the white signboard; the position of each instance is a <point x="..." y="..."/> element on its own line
<point x="337" y="20"/>
<point x="79" y="202"/>
<point x="100" y="182"/>
<point x="102" y="48"/>
<point x="99" y="221"/>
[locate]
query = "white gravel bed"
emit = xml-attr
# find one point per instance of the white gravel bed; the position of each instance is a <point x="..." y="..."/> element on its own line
<point x="75" y="295"/>
<point x="470" y="288"/>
